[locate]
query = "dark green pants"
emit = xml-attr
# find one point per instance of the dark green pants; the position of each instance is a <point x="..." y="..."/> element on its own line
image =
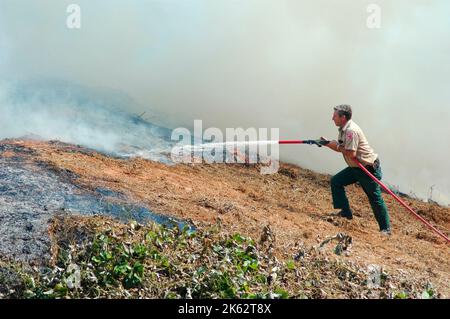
<point x="352" y="175"/>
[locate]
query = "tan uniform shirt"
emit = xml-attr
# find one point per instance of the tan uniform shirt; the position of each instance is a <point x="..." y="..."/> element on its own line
<point x="351" y="137"/>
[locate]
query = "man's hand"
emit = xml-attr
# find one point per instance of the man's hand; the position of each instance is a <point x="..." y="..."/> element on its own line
<point x="334" y="146"/>
<point x="330" y="144"/>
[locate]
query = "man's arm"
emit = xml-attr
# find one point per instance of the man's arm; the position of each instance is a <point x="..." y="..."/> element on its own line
<point x="348" y="153"/>
<point x="334" y="145"/>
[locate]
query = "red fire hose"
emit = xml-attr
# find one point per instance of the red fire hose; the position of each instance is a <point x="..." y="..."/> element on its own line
<point x="417" y="216"/>
<point x="437" y="231"/>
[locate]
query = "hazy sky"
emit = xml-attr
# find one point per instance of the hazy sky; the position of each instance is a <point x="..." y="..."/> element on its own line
<point x="258" y="63"/>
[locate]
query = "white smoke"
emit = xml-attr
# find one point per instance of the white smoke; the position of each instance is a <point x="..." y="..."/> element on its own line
<point x="74" y="114"/>
<point x="254" y="63"/>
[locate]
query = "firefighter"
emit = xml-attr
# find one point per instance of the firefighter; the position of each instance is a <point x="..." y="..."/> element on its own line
<point x="353" y="143"/>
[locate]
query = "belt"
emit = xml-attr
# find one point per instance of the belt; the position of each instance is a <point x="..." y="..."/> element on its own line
<point x="374" y="166"/>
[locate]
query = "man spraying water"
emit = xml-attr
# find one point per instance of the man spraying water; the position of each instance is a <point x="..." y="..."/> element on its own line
<point x="363" y="163"/>
<point x="353" y="143"/>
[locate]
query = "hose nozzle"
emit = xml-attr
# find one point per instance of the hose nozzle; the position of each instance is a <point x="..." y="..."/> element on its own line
<point x="319" y="142"/>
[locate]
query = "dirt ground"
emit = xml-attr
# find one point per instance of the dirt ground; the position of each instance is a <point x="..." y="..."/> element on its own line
<point x="295" y="202"/>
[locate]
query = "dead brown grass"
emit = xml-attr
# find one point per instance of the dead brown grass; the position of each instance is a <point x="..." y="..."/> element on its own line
<point x="295" y="203"/>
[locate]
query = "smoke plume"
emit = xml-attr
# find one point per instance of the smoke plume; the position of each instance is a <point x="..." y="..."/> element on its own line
<point x="236" y="63"/>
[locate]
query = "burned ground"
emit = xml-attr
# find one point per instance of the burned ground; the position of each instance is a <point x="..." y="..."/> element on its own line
<point x="33" y="191"/>
<point x="41" y="179"/>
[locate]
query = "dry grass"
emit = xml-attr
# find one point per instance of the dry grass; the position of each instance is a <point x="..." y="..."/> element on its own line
<point x="295" y="203"/>
<point x="98" y="257"/>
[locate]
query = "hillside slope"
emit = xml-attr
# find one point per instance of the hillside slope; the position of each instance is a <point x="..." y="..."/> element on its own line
<point x="295" y="203"/>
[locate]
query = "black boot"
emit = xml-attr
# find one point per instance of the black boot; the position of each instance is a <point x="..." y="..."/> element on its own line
<point x="346" y="214"/>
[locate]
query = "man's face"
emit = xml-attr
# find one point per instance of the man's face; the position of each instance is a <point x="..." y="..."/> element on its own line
<point x="338" y="120"/>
